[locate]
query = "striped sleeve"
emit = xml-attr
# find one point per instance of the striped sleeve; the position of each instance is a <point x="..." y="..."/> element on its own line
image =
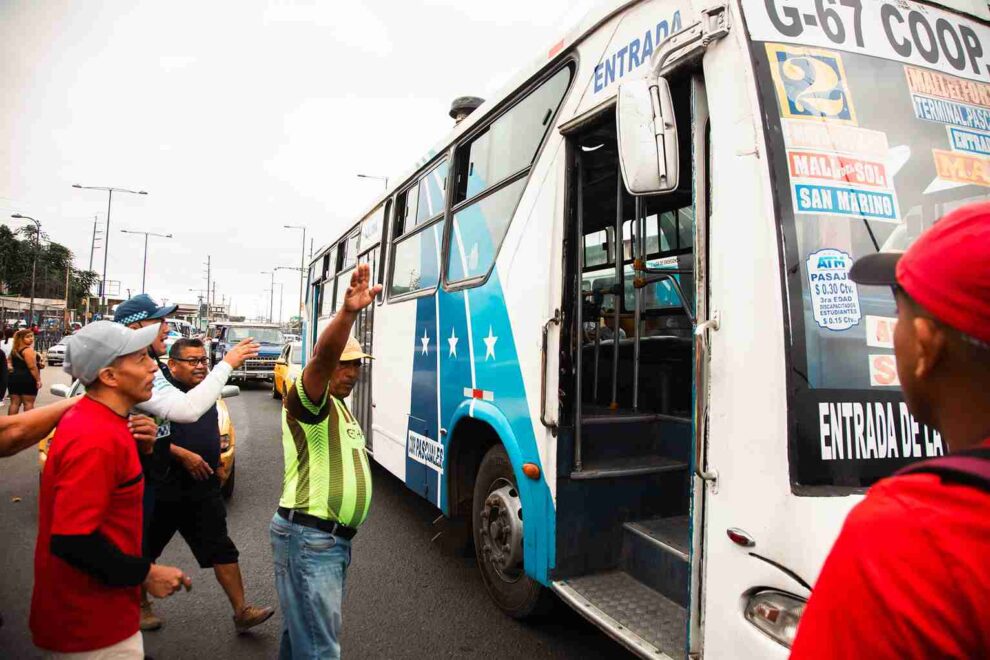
<point x="299" y="406"/>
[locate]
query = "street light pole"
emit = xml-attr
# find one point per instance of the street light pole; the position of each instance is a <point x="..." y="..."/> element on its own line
<point x="302" y="267"/>
<point x="144" y="268"/>
<point x="34" y="263"/>
<point x="106" y="235"/>
<point x="384" y="179"/>
<point x="302" y="273"/>
<point x="271" y="303"/>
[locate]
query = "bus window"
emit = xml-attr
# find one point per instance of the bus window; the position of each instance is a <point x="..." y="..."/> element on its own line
<point x="350" y="249"/>
<point x="598" y="248"/>
<point x="431" y="194"/>
<point x="889" y="173"/>
<point x="478" y="231"/>
<point x="406" y="211"/>
<point x="343" y="281"/>
<point x="416" y="261"/>
<point x="326" y="298"/>
<point x="423" y="202"/>
<point x="371" y="229"/>
<point x="665" y="249"/>
<point x="510" y="144"/>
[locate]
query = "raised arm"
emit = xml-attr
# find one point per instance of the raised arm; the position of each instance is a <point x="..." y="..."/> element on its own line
<point x="18" y="432"/>
<point x="329" y="346"/>
<point x="171" y="403"/>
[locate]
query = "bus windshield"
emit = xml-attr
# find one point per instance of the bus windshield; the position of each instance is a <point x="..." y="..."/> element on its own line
<point x="261" y="335"/>
<point x="867" y="151"/>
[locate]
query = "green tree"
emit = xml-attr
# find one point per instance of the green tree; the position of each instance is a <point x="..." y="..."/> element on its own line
<point x="17" y="252"/>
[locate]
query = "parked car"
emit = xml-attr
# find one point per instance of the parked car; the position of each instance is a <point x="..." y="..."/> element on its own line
<point x="288" y="366"/>
<point x="228" y="436"/>
<point x="56" y="354"/>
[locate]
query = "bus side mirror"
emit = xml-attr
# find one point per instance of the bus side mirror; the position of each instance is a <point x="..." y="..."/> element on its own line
<point x="229" y="391"/>
<point x="647" y="132"/>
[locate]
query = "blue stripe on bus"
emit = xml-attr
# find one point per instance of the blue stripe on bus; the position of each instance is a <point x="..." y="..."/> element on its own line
<point x="497" y="372"/>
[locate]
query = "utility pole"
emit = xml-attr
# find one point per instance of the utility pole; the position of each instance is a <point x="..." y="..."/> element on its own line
<point x="65" y="319"/>
<point x="106" y="236"/>
<point x="271" y="304"/>
<point x="92" y="249"/>
<point x="302" y="268"/>
<point x="92" y="246"/>
<point x="209" y="274"/>
<point x="281" y="300"/>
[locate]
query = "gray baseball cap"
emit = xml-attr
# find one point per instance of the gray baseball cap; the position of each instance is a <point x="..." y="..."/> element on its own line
<point x="98" y="344"/>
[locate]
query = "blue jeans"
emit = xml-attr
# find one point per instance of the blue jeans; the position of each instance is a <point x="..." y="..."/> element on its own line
<point x="310" y="570"/>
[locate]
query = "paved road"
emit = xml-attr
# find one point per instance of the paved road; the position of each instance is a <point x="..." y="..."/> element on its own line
<point x="405" y="598"/>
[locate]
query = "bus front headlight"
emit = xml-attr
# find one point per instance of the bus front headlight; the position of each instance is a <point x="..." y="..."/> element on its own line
<point x="776" y="614"/>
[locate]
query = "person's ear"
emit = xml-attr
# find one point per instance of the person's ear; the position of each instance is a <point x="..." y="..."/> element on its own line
<point x="931" y="344"/>
<point x="107" y="376"/>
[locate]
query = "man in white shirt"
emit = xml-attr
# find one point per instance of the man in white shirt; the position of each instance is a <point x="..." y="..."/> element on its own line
<point x="170" y="404"/>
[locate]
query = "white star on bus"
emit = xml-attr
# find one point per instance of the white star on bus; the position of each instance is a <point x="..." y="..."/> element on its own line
<point x="453" y="343"/>
<point x="425" y="340"/>
<point x="490" y="344"/>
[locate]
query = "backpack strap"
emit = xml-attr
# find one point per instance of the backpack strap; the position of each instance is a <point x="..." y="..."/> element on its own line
<point x="967" y="468"/>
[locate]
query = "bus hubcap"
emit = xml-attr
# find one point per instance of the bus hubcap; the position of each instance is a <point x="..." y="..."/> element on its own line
<point x="502" y="530"/>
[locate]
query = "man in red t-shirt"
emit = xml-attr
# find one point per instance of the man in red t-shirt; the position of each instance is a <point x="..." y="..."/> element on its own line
<point x="87" y="563"/>
<point x="909" y="575"/>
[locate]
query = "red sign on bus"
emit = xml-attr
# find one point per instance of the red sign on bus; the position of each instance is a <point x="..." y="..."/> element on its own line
<point x="834" y="167"/>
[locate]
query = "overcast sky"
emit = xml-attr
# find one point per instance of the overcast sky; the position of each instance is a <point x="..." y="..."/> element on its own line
<point x="237" y="117"/>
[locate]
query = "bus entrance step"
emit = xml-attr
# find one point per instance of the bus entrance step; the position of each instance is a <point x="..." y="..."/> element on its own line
<point x="656" y="552"/>
<point x="625" y="466"/>
<point x="639" y="617"/>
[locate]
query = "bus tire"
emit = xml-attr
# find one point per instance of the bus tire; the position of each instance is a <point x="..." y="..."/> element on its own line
<point x="497" y="528"/>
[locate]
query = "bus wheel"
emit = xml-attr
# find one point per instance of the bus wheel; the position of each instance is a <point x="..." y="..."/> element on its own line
<point x="498" y="538"/>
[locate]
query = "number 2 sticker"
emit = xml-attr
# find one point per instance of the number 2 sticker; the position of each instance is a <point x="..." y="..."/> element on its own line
<point x="810" y="83"/>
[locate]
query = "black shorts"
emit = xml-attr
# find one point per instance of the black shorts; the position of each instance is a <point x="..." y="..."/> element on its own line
<point x="202" y="522"/>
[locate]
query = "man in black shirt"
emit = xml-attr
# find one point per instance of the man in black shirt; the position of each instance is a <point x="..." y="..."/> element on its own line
<point x="188" y="500"/>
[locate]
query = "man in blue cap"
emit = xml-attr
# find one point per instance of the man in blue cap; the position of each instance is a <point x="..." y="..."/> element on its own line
<point x="170" y="404"/>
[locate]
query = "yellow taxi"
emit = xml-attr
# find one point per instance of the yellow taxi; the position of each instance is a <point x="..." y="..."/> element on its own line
<point x="288" y="366"/>
<point x="228" y="436"/>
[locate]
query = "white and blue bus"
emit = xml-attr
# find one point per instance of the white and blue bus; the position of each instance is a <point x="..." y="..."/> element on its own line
<point x="618" y="343"/>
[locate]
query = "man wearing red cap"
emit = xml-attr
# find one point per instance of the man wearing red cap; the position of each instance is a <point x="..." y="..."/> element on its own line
<point x="909" y="574"/>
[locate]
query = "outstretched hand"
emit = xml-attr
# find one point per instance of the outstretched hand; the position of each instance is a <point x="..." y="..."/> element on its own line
<point x="360" y="294"/>
<point x="246" y="350"/>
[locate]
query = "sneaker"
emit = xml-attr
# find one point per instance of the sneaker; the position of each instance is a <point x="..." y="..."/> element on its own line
<point x="149" y="621"/>
<point x="251" y="616"/>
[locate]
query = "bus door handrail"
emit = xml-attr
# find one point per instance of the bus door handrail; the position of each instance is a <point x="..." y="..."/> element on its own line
<point x="555" y="319"/>
<point x="641" y="282"/>
<point x="702" y="346"/>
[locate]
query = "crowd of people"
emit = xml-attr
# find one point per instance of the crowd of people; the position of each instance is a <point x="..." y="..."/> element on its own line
<point x="134" y="461"/>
